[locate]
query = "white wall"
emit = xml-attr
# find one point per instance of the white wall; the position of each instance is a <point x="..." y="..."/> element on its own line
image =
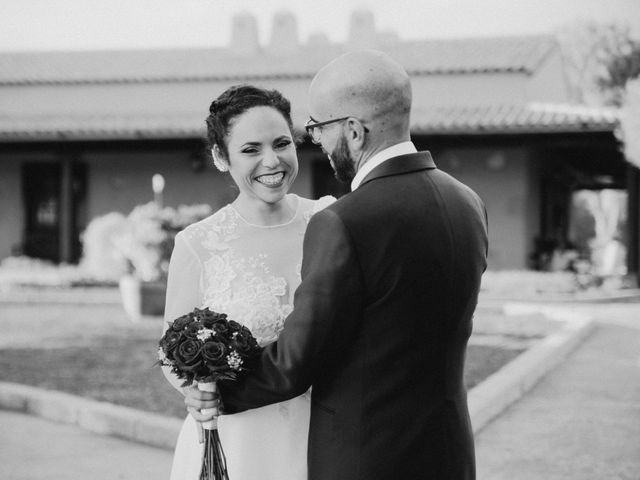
<point x="504" y="179"/>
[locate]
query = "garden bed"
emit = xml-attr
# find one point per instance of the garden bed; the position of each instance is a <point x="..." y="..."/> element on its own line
<point x="97" y="352"/>
<point x="121" y="371"/>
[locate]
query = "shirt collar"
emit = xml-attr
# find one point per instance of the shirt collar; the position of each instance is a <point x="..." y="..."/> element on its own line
<point x="382" y="156"/>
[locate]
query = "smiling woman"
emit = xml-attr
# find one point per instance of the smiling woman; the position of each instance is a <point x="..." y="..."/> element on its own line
<point x="245" y="261"/>
<point x="251" y="136"/>
<point x="263" y="163"/>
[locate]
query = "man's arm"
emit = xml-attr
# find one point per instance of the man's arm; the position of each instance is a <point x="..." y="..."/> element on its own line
<point x="327" y="310"/>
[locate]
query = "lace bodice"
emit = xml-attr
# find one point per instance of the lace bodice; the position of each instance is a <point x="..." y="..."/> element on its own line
<point x="247" y="271"/>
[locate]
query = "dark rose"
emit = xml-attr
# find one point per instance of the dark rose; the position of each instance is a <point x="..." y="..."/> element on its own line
<point x="241" y="342"/>
<point x="208" y="321"/>
<point x="234" y="326"/>
<point x="214" y="353"/>
<point x="170" y="340"/>
<point x="221" y="327"/>
<point x="188" y="355"/>
<point x="209" y="317"/>
<point x="180" y="322"/>
<point x="193" y="329"/>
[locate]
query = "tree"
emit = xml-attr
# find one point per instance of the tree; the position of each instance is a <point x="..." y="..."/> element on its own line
<point x="630" y="122"/>
<point x="621" y="67"/>
<point x="599" y="59"/>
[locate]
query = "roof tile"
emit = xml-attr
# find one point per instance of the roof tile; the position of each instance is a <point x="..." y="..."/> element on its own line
<point x="427" y="57"/>
<point x="493" y="119"/>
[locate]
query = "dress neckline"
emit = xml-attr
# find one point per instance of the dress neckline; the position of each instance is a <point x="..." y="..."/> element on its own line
<point x="288" y="222"/>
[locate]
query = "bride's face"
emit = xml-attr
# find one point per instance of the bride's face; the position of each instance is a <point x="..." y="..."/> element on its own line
<point x="262" y="154"/>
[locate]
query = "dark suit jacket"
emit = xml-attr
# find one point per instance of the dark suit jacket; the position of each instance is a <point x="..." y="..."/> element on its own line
<point x="390" y="279"/>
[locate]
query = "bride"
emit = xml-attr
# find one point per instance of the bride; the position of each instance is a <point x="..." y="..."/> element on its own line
<point x="244" y="260"/>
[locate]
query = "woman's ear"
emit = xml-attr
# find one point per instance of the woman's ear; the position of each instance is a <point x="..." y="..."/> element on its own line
<point x="218" y="159"/>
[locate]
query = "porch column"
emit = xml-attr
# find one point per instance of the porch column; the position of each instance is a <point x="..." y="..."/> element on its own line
<point x="633" y="222"/>
<point x="66" y="211"/>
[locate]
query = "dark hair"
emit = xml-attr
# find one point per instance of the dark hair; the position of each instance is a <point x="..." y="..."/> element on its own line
<point x="233" y="102"/>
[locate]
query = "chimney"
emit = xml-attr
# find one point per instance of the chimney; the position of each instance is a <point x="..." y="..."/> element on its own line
<point x="318" y="40"/>
<point x="362" y="29"/>
<point x="244" y="35"/>
<point x="284" y="33"/>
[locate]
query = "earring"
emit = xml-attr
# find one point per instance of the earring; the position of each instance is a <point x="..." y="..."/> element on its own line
<point x="218" y="162"/>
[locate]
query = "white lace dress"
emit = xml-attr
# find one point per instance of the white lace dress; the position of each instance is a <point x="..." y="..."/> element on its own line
<point x="249" y="272"/>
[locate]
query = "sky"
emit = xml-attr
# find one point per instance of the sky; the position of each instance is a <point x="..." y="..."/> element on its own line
<point x="125" y="24"/>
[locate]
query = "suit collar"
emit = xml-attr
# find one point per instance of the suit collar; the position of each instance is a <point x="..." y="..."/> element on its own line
<point x="411" y="162"/>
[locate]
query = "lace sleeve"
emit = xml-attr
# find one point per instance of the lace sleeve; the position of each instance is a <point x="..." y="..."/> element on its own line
<point x="323" y="202"/>
<point x="183" y="289"/>
<point x="318" y="205"/>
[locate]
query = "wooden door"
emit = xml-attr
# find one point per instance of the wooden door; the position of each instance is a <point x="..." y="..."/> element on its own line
<point x="53" y="198"/>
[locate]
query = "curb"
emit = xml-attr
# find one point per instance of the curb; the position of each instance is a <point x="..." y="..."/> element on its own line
<point x="486" y="401"/>
<point x="500" y="390"/>
<point x="99" y="417"/>
<point x="63" y="296"/>
<point x="621" y="296"/>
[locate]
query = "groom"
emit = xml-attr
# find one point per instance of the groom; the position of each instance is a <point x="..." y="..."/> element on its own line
<point x="390" y="281"/>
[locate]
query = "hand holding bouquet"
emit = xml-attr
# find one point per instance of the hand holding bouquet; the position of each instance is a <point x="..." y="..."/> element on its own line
<point x="203" y="347"/>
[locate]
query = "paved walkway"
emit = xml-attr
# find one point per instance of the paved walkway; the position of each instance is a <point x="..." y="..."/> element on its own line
<point x="582" y="421"/>
<point x="32" y="448"/>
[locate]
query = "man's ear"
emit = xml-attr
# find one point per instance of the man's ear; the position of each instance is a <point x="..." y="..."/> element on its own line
<point x="356" y="133"/>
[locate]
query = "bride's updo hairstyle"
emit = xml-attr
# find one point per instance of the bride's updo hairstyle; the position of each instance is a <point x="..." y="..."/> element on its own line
<point x="234" y="102"/>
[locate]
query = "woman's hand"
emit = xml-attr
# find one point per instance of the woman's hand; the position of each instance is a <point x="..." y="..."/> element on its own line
<point x="196" y="401"/>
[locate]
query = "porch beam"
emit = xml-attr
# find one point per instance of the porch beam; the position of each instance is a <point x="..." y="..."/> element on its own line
<point x="66" y="211"/>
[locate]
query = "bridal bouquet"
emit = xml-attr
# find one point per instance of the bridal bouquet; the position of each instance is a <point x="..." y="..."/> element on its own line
<point x="203" y="347"/>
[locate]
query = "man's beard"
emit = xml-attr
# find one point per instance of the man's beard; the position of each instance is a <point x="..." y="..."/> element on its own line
<point x="342" y="162"/>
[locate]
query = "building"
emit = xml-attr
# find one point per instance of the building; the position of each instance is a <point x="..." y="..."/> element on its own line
<point x="82" y="133"/>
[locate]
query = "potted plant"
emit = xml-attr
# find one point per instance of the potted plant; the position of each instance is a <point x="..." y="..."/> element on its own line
<point x="146" y="242"/>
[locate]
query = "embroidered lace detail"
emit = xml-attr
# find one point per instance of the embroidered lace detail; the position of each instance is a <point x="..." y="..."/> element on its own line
<point x="243" y="287"/>
<point x="242" y="275"/>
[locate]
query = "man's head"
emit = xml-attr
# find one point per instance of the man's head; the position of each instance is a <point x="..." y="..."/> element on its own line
<point x="362" y="101"/>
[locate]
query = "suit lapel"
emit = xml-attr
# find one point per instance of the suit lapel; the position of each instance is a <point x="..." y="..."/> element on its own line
<point x="411" y="162"/>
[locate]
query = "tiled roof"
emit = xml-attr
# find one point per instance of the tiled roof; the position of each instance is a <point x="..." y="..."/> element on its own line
<point x="506" y="119"/>
<point x="428" y="57"/>
<point x="98" y="127"/>
<point x="514" y="119"/>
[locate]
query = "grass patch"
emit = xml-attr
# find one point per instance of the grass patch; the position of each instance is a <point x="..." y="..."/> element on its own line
<point x="483" y="360"/>
<point x="111" y="369"/>
<point x="94" y="351"/>
<point x="120" y="370"/>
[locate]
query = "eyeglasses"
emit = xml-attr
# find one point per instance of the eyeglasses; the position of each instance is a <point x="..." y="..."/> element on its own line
<point x="314" y="129"/>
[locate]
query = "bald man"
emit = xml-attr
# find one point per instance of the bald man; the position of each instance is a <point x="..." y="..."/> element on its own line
<point x="390" y="280"/>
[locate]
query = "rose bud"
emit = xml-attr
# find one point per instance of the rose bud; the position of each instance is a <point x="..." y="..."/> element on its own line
<point x="220" y="327"/>
<point x="180" y="323"/>
<point x="234" y="326"/>
<point x="170" y="340"/>
<point x="193" y="329"/>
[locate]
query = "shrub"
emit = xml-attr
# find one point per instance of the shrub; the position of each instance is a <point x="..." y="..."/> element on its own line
<point x="100" y="257"/>
<point x="146" y="242"/>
